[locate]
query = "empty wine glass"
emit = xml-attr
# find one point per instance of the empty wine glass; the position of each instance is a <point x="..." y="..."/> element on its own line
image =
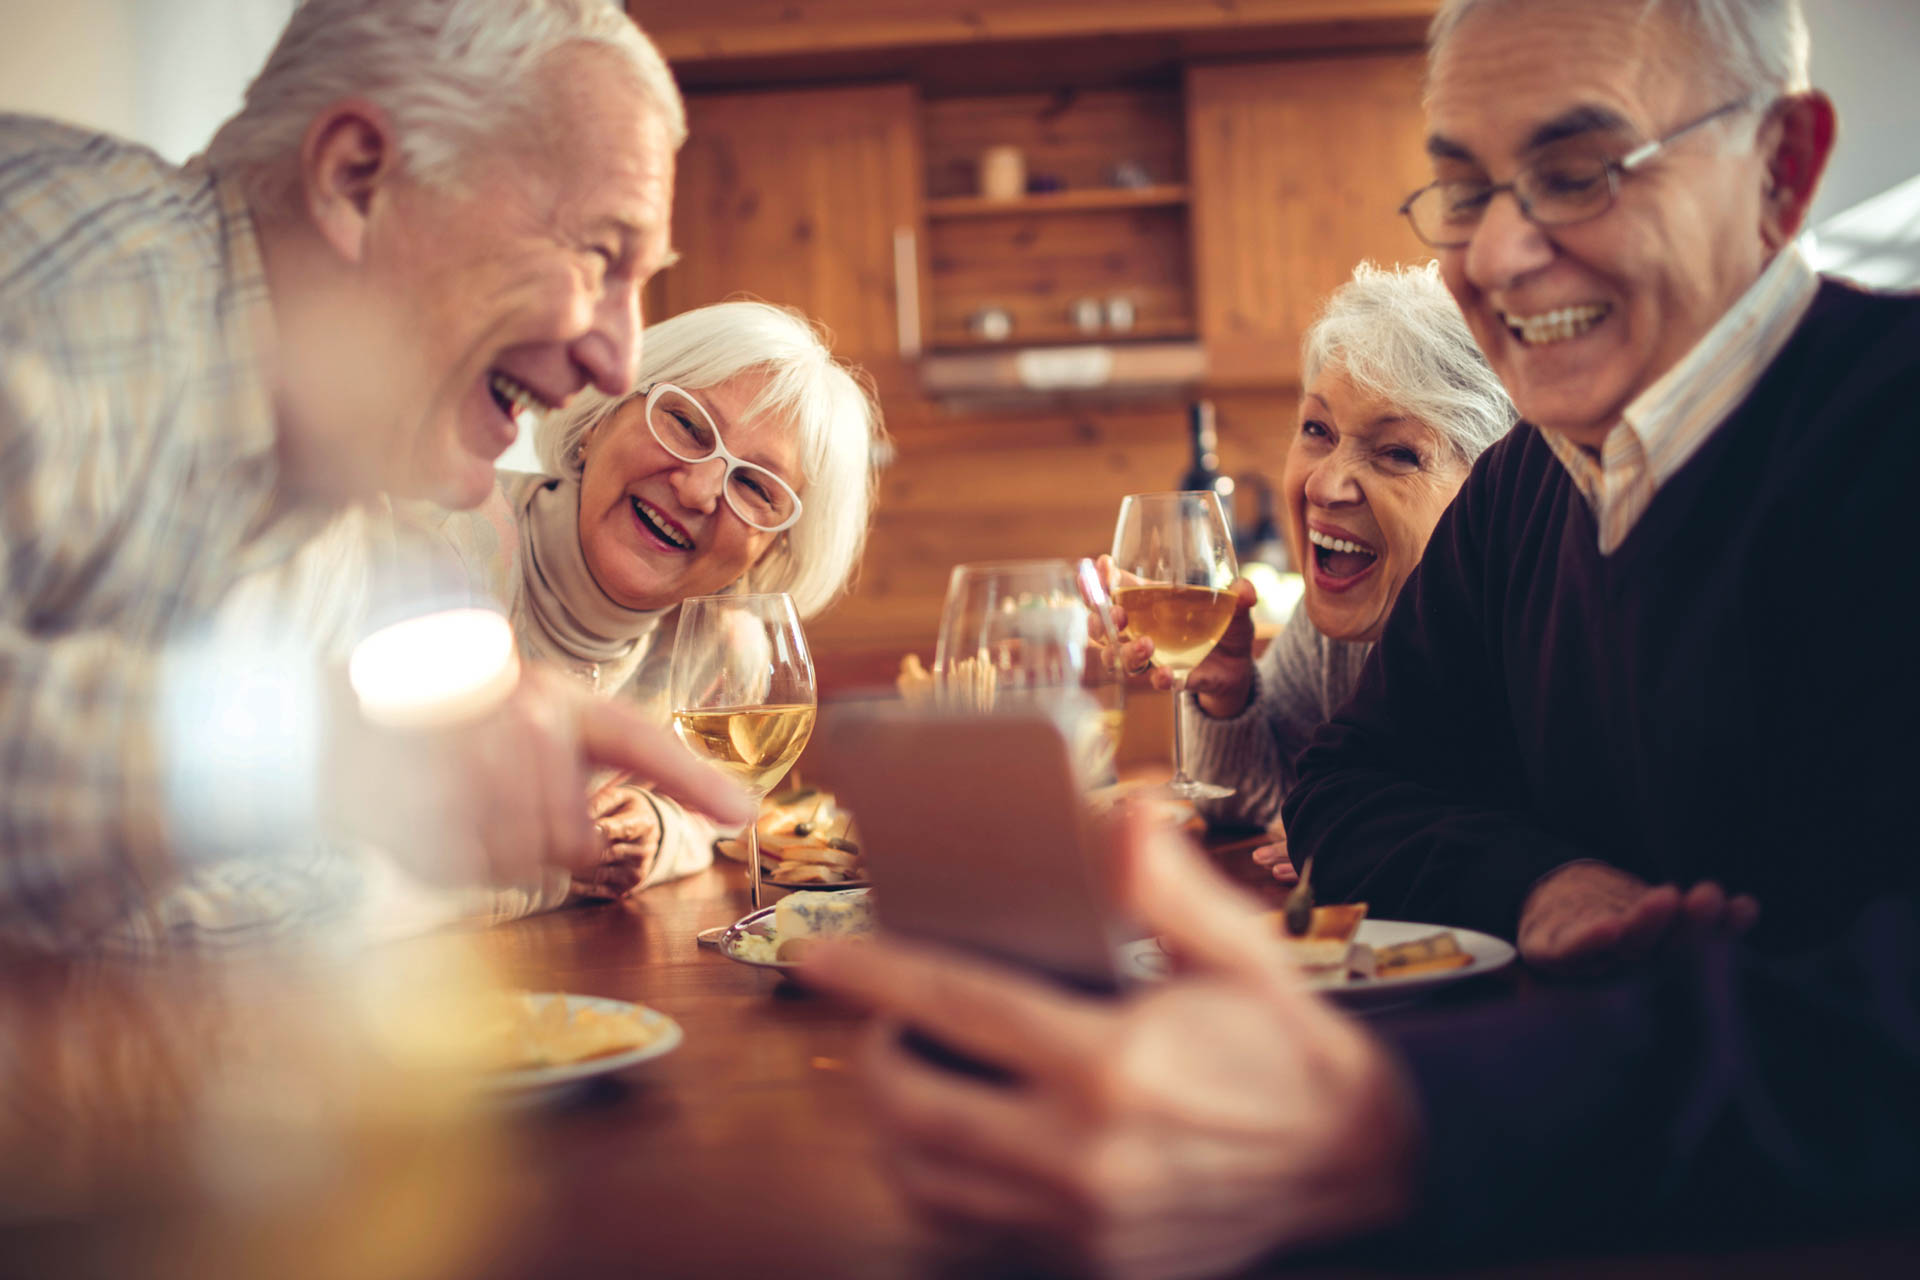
<point x="742" y="692"/>
<point x="1017" y="631"/>
<point x="1173" y="576"/>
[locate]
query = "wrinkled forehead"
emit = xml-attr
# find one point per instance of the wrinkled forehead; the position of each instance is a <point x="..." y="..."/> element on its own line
<point x="1511" y="78"/>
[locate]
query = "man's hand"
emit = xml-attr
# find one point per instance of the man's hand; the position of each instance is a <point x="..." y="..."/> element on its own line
<point x="630" y="825"/>
<point x="500" y="798"/>
<point x="1274" y="858"/>
<point x="1185" y="1130"/>
<point x="1588" y="918"/>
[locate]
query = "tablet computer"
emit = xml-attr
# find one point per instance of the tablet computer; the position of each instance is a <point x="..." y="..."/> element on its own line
<point x="975" y="835"/>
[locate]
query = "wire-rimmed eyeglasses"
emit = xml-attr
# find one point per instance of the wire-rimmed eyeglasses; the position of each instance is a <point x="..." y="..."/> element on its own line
<point x="684" y="428"/>
<point x="1569" y="185"/>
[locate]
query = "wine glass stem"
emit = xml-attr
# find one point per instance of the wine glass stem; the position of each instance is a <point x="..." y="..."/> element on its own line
<point x="1180" y="730"/>
<point x="753" y="861"/>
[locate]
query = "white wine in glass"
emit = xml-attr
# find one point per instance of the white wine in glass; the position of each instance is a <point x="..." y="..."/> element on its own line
<point x="1173" y="576"/>
<point x="742" y="692"/>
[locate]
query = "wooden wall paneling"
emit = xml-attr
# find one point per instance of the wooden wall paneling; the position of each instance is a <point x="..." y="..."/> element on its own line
<point x="1076" y="137"/>
<point x="1045" y="482"/>
<point x="796" y="197"/>
<point x="1298" y="166"/>
<point x="1036" y="265"/>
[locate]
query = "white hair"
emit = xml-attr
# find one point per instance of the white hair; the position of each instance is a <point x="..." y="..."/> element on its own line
<point x="450" y="74"/>
<point x="1754" y="49"/>
<point x="1398" y="333"/>
<point x="835" y="416"/>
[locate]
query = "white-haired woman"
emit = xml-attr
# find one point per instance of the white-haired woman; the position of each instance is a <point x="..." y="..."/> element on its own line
<point x="1396" y="403"/>
<point x="590" y="560"/>
<point x="741" y="461"/>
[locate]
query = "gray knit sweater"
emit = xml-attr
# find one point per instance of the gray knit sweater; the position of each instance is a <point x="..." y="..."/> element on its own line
<point x="1298" y="683"/>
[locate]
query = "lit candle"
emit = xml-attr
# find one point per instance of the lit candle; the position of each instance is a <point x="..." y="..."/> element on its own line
<point x="436" y="671"/>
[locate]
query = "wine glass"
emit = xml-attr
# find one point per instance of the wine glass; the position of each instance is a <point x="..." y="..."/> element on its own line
<point x="742" y="693"/>
<point x="1018" y="631"/>
<point x="1173" y="575"/>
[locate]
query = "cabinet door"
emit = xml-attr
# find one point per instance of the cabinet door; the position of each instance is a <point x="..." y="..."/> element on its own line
<point x="1298" y="166"/>
<point x="810" y="199"/>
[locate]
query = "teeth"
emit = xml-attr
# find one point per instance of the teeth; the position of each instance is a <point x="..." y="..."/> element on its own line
<point x="1555" y="326"/>
<point x="660" y="522"/>
<point x="1319" y="539"/>
<point x="527" y="406"/>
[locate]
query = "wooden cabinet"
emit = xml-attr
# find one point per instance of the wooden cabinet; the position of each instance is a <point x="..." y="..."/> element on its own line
<point x="1298" y="167"/>
<point x="1107" y="236"/>
<point x="811" y="199"/>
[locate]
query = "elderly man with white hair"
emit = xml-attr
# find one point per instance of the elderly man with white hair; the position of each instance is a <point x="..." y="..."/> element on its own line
<point x="429" y="218"/>
<point x="1663" y="598"/>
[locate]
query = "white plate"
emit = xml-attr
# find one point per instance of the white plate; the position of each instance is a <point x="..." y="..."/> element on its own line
<point x="1146" y="960"/>
<point x="758" y="923"/>
<point x="666" y="1040"/>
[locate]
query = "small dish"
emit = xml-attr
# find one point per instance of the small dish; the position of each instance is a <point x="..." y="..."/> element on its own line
<point x="667" y="1038"/>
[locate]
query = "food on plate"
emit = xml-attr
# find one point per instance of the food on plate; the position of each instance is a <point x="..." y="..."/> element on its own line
<point x="805" y="838"/>
<point x="525" y="1029"/>
<point x="1434" y="954"/>
<point x="1323" y="949"/>
<point x="800" y="918"/>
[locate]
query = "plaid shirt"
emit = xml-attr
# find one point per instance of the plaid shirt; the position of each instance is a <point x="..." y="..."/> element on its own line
<point x="1668" y="422"/>
<point x="137" y="470"/>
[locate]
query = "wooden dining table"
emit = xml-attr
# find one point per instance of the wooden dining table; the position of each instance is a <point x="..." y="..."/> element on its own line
<point x="747" y="1149"/>
<point x="744" y="1151"/>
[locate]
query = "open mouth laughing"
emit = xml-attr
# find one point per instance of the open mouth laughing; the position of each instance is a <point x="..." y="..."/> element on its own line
<point x="1339" y="562"/>
<point x="1559" y="325"/>
<point x="663" y="527"/>
<point x="515" y="398"/>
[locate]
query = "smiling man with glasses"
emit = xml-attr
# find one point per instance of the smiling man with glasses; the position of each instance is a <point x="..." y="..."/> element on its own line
<point x="1608" y="700"/>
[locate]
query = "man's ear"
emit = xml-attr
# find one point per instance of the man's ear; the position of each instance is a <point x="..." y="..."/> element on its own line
<point x="1796" y="140"/>
<point x="349" y="152"/>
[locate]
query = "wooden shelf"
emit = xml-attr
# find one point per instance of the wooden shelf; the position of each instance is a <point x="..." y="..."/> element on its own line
<point x="1031" y="369"/>
<point x="1062" y="336"/>
<point x="1070" y="201"/>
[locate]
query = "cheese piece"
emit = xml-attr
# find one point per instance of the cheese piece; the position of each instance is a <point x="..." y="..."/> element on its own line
<point x="799" y="917"/>
<point x="1328" y="938"/>
<point x="1423" y="955"/>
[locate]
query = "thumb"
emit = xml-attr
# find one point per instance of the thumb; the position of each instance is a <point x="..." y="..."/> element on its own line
<point x="1166" y="885"/>
<point x="619" y="736"/>
<point x="1246" y="595"/>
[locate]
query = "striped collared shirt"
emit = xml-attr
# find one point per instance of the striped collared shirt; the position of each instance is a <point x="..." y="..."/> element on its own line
<point x="137" y="472"/>
<point x="1668" y="422"/>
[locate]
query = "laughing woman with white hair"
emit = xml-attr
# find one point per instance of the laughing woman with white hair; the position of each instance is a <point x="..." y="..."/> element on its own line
<point x="1396" y="403"/>
<point x="742" y="461"/>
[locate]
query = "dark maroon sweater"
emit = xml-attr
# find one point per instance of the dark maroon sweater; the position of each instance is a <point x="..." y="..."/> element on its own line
<point x="1731" y="695"/>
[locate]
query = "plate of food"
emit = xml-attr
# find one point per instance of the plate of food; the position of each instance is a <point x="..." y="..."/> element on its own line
<point x="1362" y="961"/>
<point x="543" y="1039"/>
<point x="806" y="842"/>
<point x="776" y="937"/>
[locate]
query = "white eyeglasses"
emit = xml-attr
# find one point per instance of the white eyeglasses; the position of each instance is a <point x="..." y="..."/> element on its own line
<point x="686" y="430"/>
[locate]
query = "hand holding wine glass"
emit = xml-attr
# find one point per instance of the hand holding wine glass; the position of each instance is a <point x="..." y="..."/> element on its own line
<point x="1222" y="682"/>
<point x="742" y="692"/>
<point x="1174" y="572"/>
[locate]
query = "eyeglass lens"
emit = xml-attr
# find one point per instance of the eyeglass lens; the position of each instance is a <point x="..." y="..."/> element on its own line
<point x="685" y="430"/>
<point x="1555" y="190"/>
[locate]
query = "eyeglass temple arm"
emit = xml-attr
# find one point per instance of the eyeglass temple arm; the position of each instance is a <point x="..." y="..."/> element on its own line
<point x="1648" y="150"/>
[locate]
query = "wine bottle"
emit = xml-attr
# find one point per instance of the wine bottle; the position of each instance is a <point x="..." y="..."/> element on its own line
<point x="1204" y="470"/>
<point x="1264" y="540"/>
